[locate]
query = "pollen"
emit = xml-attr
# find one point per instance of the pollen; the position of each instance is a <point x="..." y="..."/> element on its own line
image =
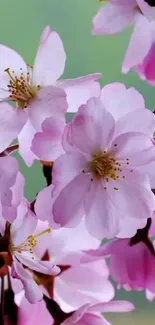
<point x="20" y="87"/>
<point x="30" y="243"/>
<point x="105" y="166"/>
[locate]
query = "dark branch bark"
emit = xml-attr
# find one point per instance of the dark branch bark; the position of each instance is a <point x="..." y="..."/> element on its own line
<point x="142" y="235"/>
<point x="47" y="171"/>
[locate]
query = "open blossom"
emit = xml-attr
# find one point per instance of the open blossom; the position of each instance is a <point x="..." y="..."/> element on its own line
<point x="17" y="243"/>
<point x="116" y="15"/>
<point x="98" y="175"/>
<point x="125" y="105"/>
<point x="36" y="91"/>
<point x="89" y="280"/>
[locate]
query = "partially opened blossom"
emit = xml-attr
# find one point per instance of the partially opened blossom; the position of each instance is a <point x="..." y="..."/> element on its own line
<point x="36" y="92"/>
<point x="17" y="243"/>
<point x="98" y="175"/>
<point x="79" y="281"/>
<point x="132" y="266"/>
<point x="116" y="15"/>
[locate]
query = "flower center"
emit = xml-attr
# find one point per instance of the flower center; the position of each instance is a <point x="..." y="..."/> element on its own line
<point x="20" y="88"/>
<point x="104" y="165"/>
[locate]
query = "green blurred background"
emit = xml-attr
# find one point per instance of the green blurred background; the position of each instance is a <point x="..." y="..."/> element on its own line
<point x="21" y="23"/>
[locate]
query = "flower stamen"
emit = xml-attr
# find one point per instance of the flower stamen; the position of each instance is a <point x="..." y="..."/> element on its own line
<point x="20" y="88"/>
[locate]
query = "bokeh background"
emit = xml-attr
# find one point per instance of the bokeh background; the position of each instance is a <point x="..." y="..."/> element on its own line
<point x="21" y="23"/>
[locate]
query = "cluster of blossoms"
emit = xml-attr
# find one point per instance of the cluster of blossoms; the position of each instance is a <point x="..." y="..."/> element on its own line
<point x="100" y="173"/>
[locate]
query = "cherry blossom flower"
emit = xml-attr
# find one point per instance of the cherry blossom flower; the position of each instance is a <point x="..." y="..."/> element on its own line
<point x="116" y="15"/>
<point x="36" y="91"/>
<point x="114" y="96"/>
<point x="98" y="175"/>
<point x="17" y="243"/>
<point x="123" y="254"/>
<point x="139" y="277"/>
<point x="89" y="280"/>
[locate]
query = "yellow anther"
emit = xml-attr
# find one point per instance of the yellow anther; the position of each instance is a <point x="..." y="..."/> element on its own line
<point x="20" y="88"/>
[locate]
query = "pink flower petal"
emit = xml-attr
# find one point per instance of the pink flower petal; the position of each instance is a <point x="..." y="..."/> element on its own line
<point x="135" y="146"/>
<point x="119" y="100"/>
<point x="102" y="217"/>
<point x="18" y="189"/>
<point x="71" y="198"/>
<point x="134" y="197"/>
<point x="129" y="227"/>
<point x="149" y="169"/>
<point x="8" y="171"/>
<point x="50" y="59"/>
<point x="87" y="318"/>
<point x="89" y="282"/>
<point x="25" y="140"/>
<point x="25" y="220"/>
<point x="44" y="205"/>
<point x="11" y="119"/>
<point x="32" y="290"/>
<point x="145" y="8"/>
<point x="141" y="120"/>
<point x="2" y="223"/>
<point x="146" y="69"/>
<point x="112" y="19"/>
<point x="50" y="101"/>
<point x="92" y="127"/>
<point x="66" y="167"/>
<point x="72" y="238"/>
<point x="44" y="267"/>
<point x="79" y="90"/>
<point x="12" y="60"/>
<point x="47" y="144"/>
<point x="29" y="314"/>
<point x="140" y="44"/>
<point x="113" y="306"/>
